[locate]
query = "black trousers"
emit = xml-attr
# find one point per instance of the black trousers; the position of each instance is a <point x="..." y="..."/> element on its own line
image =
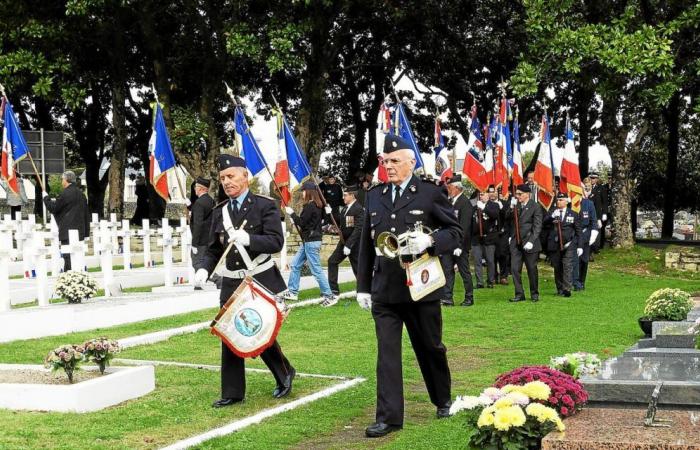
<point x="580" y="267"/>
<point x="517" y="257"/>
<point x="503" y="257"/>
<point x="334" y="261"/>
<point x="563" y="263"/>
<point x="65" y="256"/>
<point x="233" y="366"/>
<point x="462" y="262"/>
<point x="487" y="252"/>
<point x="423" y="322"/>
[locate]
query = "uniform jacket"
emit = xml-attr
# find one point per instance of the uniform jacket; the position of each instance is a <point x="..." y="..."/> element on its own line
<point x="489" y="224"/>
<point x="350" y="223"/>
<point x="265" y="230"/>
<point x="589" y="220"/>
<point x="423" y="201"/>
<point x="200" y="222"/>
<point x="570" y="230"/>
<point x="333" y="194"/>
<point x="599" y="197"/>
<point x="309" y="222"/>
<point x="530" y="224"/>
<point x="71" y="212"/>
<point x="464" y="211"/>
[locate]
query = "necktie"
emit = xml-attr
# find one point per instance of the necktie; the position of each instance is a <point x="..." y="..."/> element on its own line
<point x="397" y="194"/>
<point x="234" y="207"/>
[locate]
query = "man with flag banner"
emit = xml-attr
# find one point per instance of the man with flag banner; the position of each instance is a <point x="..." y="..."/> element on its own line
<point x="544" y="167"/>
<point x="161" y="155"/>
<point x="570" y="178"/>
<point x="14" y="147"/>
<point x="443" y="167"/>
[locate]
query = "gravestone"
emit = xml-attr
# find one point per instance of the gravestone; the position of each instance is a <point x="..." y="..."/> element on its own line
<point x="125" y="234"/>
<point x="106" y="257"/>
<point x="114" y="233"/>
<point x="167" y="241"/>
<point x="95" y="233"/>
<point x="6" y="255"/>
<point x="25" y="244"/>
<point x="185" y="249"/>
<point x="145" y="233"/>
<point x="77" y="249"/>
<point x="42" y="279"/>
<point x="55" y="252"/>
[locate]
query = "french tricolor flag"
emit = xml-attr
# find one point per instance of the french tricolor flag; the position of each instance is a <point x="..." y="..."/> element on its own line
<point x="544" y="172"/>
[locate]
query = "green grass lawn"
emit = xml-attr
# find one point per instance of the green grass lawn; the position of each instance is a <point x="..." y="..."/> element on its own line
<point x="483" y="341"/>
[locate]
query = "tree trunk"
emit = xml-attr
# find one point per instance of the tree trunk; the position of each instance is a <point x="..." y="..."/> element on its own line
<point x="671" y="118"/>
<point x="115" y="203"/>
<point x="584" y="99"/>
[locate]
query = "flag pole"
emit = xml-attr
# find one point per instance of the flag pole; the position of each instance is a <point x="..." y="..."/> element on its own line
<point x="29" y="153"/>
<point x="399" y="102"/>
<point x="318" y="188"/>
<point x="179" y="182"/>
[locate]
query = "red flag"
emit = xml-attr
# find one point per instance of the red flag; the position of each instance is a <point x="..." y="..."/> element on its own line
<point x="570" y="178"/>
<point x="544" y="175"/>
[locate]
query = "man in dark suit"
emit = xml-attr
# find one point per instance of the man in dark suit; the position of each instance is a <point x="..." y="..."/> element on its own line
<point x="332" y="192"/>
<point x="71" y="212"/>
<point x="398" y="207"/>
<point x="200" y="221"/>
<point x="460" y="256"/>
<point x="350" y="223"/>
<point x="484" y="237"/>
<point x="261" y="236"/>
<point x="589" y="234"/>
<point x="526" y="216"/>
<point x="563" y="242"/>
<point x="599" y="196"/>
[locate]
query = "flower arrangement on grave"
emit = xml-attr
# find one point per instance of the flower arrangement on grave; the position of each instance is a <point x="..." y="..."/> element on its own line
<point x="66" y="357"/>
<point x="567" y="394"/>
<point x="510" y="417"/>
<point x="668" y="304"/>
<point x="101" y="351"/>
<point x="75" y="286"/>
<point x="576" y="364"/>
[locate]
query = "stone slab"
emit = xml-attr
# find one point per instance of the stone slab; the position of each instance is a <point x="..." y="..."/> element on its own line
<point x="631" y="379"/>
<point x="659" y="326"/>
<point x="623" y="429"/>
<point x="663" y="352"/>
<point x="118" y="385"/>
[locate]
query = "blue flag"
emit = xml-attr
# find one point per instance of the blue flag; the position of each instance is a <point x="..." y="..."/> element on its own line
<point x="299" y="168"/>
<point x="14" y="136"/>
<point x="405" y="132"/>
<point x="250" y="152"/>
<point x="161" y="155"/>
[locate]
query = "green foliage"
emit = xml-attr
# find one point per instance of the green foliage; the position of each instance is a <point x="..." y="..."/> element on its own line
<point x="668" y="304"/>
<point x="190" y="131"/>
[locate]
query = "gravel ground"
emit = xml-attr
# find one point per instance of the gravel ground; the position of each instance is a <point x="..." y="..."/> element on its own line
<point x="27" y="376"/>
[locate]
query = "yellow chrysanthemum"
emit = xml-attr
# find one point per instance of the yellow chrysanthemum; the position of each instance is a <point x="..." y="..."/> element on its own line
<point x="503" y="402"/>
<point x="518" y="398"/>
<point x="502" y="420"/>
<point x="560" y="425"/>
<point x="485" y="419"/>
<point x="517" y="416"/>
<point x="510" y="388"/>
<point x="537" y="390"/>
<point x="490" y="409"/>
<point x="536" y="410"/>
<point x="550" y="414"/>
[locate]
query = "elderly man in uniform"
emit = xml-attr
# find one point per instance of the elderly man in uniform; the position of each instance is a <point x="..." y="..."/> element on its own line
<point x="524" y="240"/>
<point x="398" y="207"/>
<point x="460" y="256"/>
<point x="563" y="242"/>
<point x="261" y="236"/>
<point x="71" y="212"/>
<point x="350" y="223"/>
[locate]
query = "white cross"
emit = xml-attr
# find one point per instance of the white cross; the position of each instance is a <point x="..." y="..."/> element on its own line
<point x="42" y="280"/>
<point x="145" y="232"/>
<point x="167" y="241"/>
<point x="185" y="247"/>
<point x="94" y="233"/>
<point x="6" y="254"/>
<point x="26" y="242"/>
<point x="77" y="249"/>
<point x="106" y="256"/>
<point x="125" y="234"/>
<point x="56" y="260"/>
<point x="113" y="228"/>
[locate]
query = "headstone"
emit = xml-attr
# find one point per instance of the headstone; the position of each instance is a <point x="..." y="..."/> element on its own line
<point x="145" y="232"/>
<point x="125" y="234"/>
<point x="26" y="242"/>
<point x="6" y="254"/>
<point x="114" y="232"/>
<point x="106" y="256"/>
<point x="95" y="233"/>
<point x="185" y="249"/>
<point x="42" y="279"/>
<point x="77" y="249"/>
<point x="9" y="228"/>
<point x="167" y="243"/>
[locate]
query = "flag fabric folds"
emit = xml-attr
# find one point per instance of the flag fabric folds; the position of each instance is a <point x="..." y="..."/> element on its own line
<point x="477" y="166"/>
<point x="249" y="150"/>
<point x="14" y="147"/>
<point x="161" y="154"/>
<point x="403" y="128"/>
<point x="517" y="154"/>
<point x="299" y="169"/>
<point x="570" y="178"/>
<point x="544" y="173"/>
<point x="281" y="175"/>
<point x="504" y="149"/>
<point x="443" y="167"/>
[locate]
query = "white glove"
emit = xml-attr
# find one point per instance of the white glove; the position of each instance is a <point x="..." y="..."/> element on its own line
<point x="188" y="202"/>
<point x="200" y="277"/>
<point x="579" y="252"/>
<point x="600" y="224"/>
<point x="364" y="300"/>
<point x="346" y="251"/>
<point x="555" y="214"/>
<point x="44" y="194"/>
<point x="513" y="202"/>
<point x="594" y="236"/>
<point x="289" y="210"/>
<point x="241" y="237"/>
<point x="500" y="205"/>
<point x="457" y="252"/>
<point x="418" y="242"/>
<point x="528" y="246"/>
<point x="480" y="204"/>
<point x="194" y="250"/>
<point x="605" y="217"/>
<point x="509" y="239"/>
<point x="328" y="209"/>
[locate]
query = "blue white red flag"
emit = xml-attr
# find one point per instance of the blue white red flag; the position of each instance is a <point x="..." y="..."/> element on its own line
<point x="161" y="154"/>
<point x="14" y="147"/>
<point x="442" y="162"/>
<point x="249" y="150"/>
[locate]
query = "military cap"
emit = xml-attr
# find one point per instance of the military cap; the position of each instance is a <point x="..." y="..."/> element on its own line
<point x="457" y="179"/>
<point x="523" y="188"/>
<point x="593" y="174"/>
<point x="308" y="186"/>
<point x="562" y="196"/>
<point x="393" y="143"/>
<point x="351" y="188"/>
<point x="203" y="181"/>
<point x="491" y="189"/>
<point x="228" y="161"/>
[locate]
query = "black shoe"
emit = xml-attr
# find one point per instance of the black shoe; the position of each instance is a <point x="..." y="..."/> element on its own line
<point x="566" y="294"/>
<point x="517" y="299"/>
<point x="444" y="412"/>
<point x="284" y="389"/>
<point x="468" y="302"/>
<point x="220" y="403"/>
<point x="479" y="286"/>
<point x="446" y="302"/>
<point x="380" y="429"/>
<point x="535" y="298"/>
